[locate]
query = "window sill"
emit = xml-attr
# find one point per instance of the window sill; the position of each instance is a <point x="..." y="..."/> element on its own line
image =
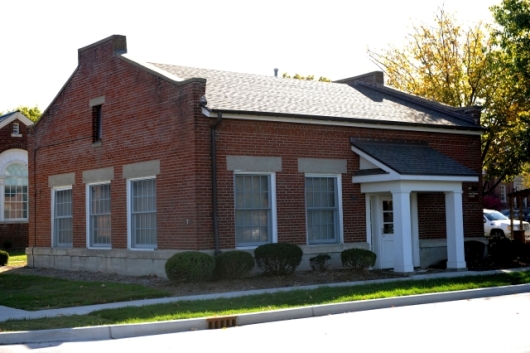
<point x="96" y="144"/>
<point x="16" y="135"/>
<point x="14" y="221"/>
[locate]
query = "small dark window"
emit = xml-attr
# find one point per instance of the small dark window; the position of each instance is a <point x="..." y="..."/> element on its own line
<point x="97" y="131"/>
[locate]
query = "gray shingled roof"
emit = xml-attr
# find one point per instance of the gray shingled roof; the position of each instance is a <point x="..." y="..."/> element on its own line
<point x="249" y="93"/>
<point x="5" y="116"/>
<point x="411" y="158"/>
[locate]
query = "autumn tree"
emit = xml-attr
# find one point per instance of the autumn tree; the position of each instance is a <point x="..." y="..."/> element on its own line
<point x="462" y="67"/>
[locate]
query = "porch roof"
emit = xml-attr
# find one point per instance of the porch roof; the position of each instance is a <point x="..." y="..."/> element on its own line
<point x="410" y="158"/>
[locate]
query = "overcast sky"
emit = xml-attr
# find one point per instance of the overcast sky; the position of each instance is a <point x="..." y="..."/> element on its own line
<point x="39" y="39"/>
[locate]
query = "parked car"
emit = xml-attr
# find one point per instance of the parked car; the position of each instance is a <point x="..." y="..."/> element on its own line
<point x="497" y="225"/>
<point x="526" y="214"/>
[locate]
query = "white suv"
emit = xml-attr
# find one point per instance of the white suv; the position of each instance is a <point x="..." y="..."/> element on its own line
<point x="498" y="225"/>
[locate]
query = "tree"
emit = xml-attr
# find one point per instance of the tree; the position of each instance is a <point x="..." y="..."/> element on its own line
<point x="462" y="67"/>
<point x="32" y="113"/>
<point x="306" y="78"/>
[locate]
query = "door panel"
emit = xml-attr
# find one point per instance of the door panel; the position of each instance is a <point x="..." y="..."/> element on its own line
<point x="387" y="233"/>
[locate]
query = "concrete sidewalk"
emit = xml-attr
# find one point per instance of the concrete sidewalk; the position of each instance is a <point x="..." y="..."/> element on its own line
<point x="122" y="331"/>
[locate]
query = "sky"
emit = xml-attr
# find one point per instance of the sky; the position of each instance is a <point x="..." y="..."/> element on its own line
<point x="39" y="39"/>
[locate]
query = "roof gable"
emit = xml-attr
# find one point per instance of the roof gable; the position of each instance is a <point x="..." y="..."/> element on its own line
<point x="16" y="115"/>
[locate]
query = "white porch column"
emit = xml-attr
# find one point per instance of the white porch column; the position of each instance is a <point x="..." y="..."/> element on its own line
<point x="402" y="232"/>
<point x="455" y="230"/>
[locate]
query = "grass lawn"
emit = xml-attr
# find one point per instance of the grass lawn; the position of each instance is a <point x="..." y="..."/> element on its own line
<point x="38" y="293"/>
<point x="17" y="258"/>
<point x="264" y="302"/>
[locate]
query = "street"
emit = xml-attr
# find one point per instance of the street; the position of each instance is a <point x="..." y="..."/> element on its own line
<point x="496" y="324"/>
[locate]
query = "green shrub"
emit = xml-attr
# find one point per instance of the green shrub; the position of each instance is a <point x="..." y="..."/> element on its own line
<point x="319" y="262"/>
<point x="190" y="266"/>
<point x="7" y="244"/>
<point x="357" y="259"/>
<point x="4" y="257"/>
<point x="474" y="250"/>
<point x="278" y="259"/>
<point x="233" y="264"/>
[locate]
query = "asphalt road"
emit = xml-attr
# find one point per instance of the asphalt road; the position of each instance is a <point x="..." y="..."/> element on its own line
<point x="495" y="324"/>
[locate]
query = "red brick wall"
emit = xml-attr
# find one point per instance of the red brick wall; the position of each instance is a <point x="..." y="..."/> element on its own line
<point x="144" y="118"/>
<point x="147" y="118"/>
<point x="293" y="141"/>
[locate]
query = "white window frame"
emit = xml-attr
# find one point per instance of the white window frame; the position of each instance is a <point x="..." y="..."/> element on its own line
<point x="502" y="191"/>
<point x="129" y="215"/>
<point x="339" y="217"/>
<point x="272" y="201"/>
<point x="54" y="235"/>
<point x="88" y="208"/>
<point x="3" y="197"/>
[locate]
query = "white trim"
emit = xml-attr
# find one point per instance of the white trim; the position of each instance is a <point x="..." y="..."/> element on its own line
<point x="274" y="220"/>
<point x="87" y="211"/>
<point x="308" y="121"/>
<point x="338" y="180"/>
<point x="16" y="116"/>
<point x="129" y="218"/>
<point x="54" y="190"/>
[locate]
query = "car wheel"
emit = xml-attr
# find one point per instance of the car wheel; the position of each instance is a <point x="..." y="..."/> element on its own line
<point x="497" y="233"/>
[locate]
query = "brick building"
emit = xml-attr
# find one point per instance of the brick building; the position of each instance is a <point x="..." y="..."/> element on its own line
<point x="135" y="161"/>
<point x="14" y="179"/>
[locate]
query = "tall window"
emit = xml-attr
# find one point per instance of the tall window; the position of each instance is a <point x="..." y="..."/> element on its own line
<point x="97" y="130"/>
<point x="143" y="213"/>
<point x="253" y="218"/>
<point x="322" y="209"/>
<point x="99" y="215"/>
<point x="62" y="217"/>
<point x="16" y="192"/>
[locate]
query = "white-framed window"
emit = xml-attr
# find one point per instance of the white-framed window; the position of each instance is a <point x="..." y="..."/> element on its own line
<point x="98" y="215"/>
<point x="323" y="208"/>
<point x="142" y="226"/>
<point x="62" y="225"/>
<point x="16" y="192"/>
<point x="255" y="208"/>
<point x="502" y="191"/>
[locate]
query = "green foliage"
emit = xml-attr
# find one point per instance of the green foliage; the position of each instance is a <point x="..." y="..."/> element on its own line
<point x="278" y="259"/>
<point x="474" y="251"/>
<point x="233" y="264"/>
<point x="306" y="78"/>
<point x="190" y="266"/>
<point x="464" y="67"/>
<point x="7" y="244"/>
<point x="357" y="259"/>
<point x="319" y="262"/>
<point x="4" y="257"/>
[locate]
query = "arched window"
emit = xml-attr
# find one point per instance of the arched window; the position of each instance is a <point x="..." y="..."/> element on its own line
<point x="16" y="192"/>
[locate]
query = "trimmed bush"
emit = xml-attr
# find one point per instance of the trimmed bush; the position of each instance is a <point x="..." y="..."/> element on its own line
<point x="233" y="264"/>
<point x="319" y="262"/>
<point x="278" y="259"/>
<point x="4" y="257"/>
<point x="357" y="259"/>
<point x="190" y="266"/>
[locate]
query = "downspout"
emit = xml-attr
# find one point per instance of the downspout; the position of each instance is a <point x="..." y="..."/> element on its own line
<point x="214" y="181"/>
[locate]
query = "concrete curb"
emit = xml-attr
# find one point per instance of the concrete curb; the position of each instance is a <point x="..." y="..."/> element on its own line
<point x="146" y="329"/>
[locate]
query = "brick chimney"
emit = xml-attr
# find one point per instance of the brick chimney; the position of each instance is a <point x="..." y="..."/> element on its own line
<point x="113" y="45"/>
<point x="472" y="112"/>
<point x="371" y="77"/>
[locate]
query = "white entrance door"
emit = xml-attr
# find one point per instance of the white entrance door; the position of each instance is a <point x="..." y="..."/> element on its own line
<point x="386" y="230"/>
